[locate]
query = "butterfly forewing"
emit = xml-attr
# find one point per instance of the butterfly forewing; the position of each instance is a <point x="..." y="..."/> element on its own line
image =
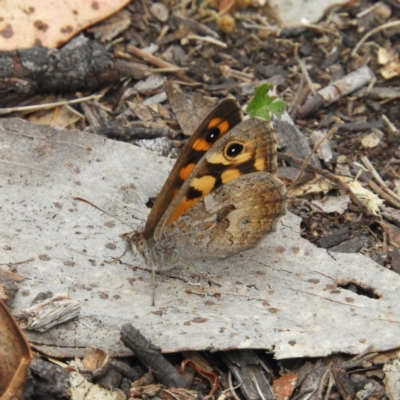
<point x="221" y="120"/>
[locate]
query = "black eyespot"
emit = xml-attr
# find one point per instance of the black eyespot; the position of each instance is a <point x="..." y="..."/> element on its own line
<point x="213" y="135"/>
<point x="233" y="149"/>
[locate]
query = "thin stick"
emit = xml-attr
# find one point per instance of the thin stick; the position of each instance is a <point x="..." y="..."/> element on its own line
<point x="342" y="185"/>
<point x="382" y="193"/>
<point x="207" y="39"/>
<point x="316" y="147"/>
<point x="390" y="195"/>
<point x="372" y="32"/>
<point x="153" y="274"/>
<point x="305" y="73"/>
<point x="8" y="110"/>
<point x="158" y="62"/>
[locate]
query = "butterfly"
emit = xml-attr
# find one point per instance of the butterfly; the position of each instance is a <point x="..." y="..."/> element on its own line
<point x="221" y="197"/>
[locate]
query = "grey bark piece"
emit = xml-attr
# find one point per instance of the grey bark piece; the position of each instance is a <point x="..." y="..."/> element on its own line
<point x="50" y="312"/>
<point x="292" y="139"/>
<point x="248" y="370"/>
<point x="285" y="295"/>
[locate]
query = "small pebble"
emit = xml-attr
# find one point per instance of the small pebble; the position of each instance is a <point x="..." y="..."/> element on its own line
<point x="160" y="11"/>
<point x="383" y="11"/>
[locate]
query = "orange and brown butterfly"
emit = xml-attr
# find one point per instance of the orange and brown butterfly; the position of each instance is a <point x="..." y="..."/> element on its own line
<point x="221" y="197"/>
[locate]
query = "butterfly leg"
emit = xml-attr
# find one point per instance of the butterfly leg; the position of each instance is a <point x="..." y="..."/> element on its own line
<point x="201" y="275"/>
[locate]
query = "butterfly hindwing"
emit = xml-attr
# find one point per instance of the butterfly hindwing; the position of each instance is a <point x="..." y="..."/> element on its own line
<point x="246" y="149"/>
<point x="230" y="219"/>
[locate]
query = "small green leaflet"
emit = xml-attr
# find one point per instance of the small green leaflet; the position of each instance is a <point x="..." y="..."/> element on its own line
<point x="263" y="106"/>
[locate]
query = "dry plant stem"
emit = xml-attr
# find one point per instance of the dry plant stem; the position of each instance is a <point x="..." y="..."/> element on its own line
<point x="329" y="176"/>
<point x="300" y="97"/>
<point x="391" y="127"/>
<point x="375" y="174"/>
<point x="384" y="191"/>
<point x="254" y="380"/>
<point x="316" y="147"/>
<point x="372" y="32"/>
<point x="321" y="29"/>
<point x="321" y="385"/>
<point x="305" y="74"/>
<point x="158" y="62"/>
<point x="329" y="386"/>
<point x="198" y="27"/>
<point x="207" y="39"/>
<point x="162" y="70"/>
<point x="174" y="36"/>
<point x="384" y="244"/>
<point x="8" y="110"/>
<point x="367" y="10"/>
<point x="359" y="359"/>
<point x="231" y="388"/>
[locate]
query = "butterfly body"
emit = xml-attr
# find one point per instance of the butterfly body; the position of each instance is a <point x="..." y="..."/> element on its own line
<point x="222" y="196"/>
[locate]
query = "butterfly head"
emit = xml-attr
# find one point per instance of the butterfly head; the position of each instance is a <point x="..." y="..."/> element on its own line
<point x="140" y="244"/>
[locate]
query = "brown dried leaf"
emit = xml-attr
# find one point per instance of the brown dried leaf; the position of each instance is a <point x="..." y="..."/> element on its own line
<point x="284" y="386"/>
<point x="29" y="23"/>
<point x="15" y="356"/>
<point x="393" y="233"/>
<point x="190" y="110"/>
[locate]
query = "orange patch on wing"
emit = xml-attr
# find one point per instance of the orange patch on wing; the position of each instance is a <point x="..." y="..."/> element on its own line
<point x="183" y="206"/>
<point x="201" y="145"/>
<point x="230" y="174"/>
<point x="222" y="124"/>
<point x="203" y="185"/>
<point x="259" y="164"/>
<point x="185" y="171"/>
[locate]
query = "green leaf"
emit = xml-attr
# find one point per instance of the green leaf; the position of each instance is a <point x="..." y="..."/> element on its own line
<point x="262" y="105"/>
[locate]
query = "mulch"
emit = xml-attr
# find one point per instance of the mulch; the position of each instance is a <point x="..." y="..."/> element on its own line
<point x="299" y="62"/>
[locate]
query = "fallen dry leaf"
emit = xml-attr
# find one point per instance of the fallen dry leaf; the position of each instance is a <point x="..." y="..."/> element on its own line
<point x="15" y="356"/>
<point x="393" y="233"/>
<point x="28" y="23"/>
<point x="284" y="386"/>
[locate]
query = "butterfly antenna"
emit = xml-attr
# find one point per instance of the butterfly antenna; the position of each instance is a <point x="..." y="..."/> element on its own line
<point x="103" y="211"/>
<point x="153" y="273"/>
<point x="330" y="133"/>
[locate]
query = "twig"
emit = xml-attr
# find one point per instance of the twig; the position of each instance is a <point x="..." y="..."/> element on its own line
<point x="386" y="193"/>
<point x="316" y="147"/>
<point x="342" y="185"/>
<point x="231" y="388"/>
<point x="390" y="125"/>
<point x="356" y="361"/>
<point x="342" y="87"/>
<point x="163" y="70"/>
<point x="329" y="386"/>
<point x="368" y="10"/>
<point x="150" y="355"/>
<point x="306" y="75"/>
<point x="372" y="32"/>
<point x="197" y="27"/>
<point x="320" y="29"/>
<point x="8" y="110"/>
<point x="158" y="62"/>
<point x="207" y="39"/>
